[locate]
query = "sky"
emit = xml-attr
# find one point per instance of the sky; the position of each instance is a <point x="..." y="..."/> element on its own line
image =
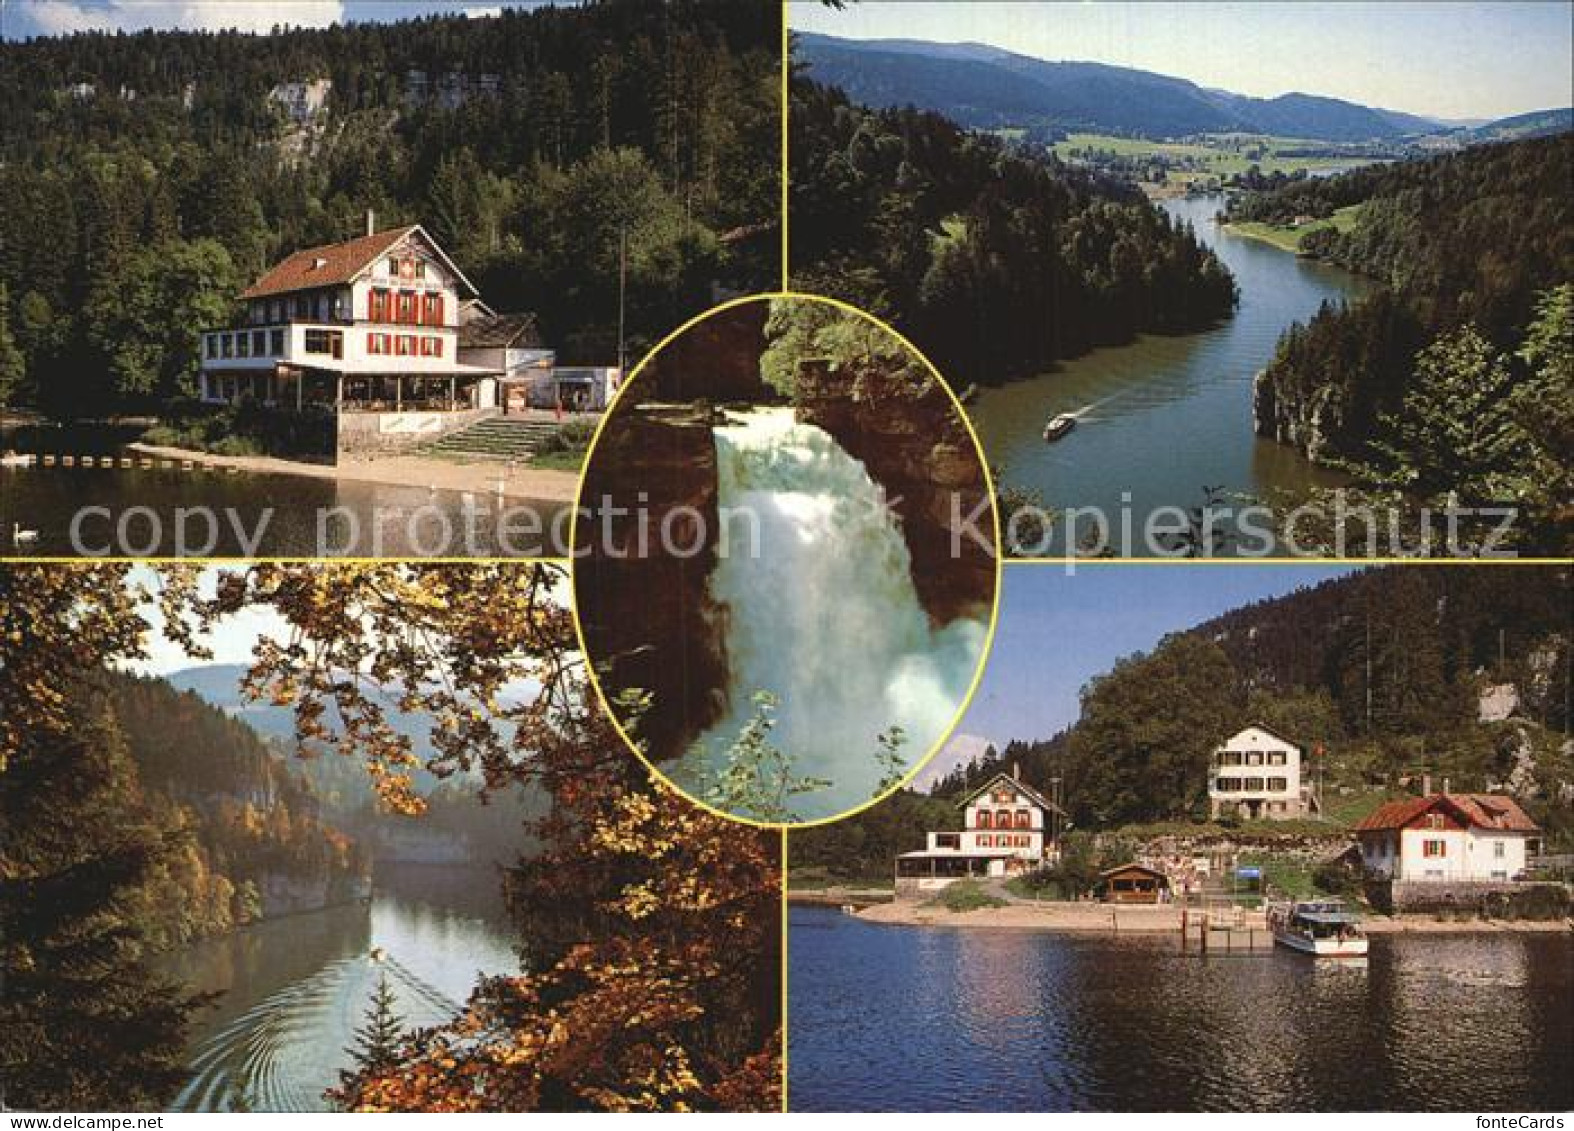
<point x="23" y="19"/>
<point x="231" y="640"/>
<point x="1057" y="631"/>
<point x="1453" y="60"/>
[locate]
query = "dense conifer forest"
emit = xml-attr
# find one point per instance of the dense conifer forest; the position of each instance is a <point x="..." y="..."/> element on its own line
<point x="1383" y="670"/>
<point x="145" y="179"/>
<point x="1457" y="374"/>
<point x="241" y="818"/>
<point x="995" y="260"/>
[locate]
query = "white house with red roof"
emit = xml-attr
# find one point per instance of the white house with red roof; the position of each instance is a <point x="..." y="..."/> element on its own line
<point x="1007" y="828"/>
<point x="1448" y="838"/>
<point x="370" y="324"/>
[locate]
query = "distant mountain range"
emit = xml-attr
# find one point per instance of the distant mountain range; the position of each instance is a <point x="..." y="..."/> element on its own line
<point x="984" y="87"/>
<point x="1541" y="123"/>
<point x="219" y="686"/>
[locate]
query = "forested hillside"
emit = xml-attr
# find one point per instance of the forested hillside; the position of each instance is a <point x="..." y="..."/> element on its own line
<point x="1383" y="670"/>
<point x="985" y="87"/>
<point x="994" y="260"/>
<point x="1458" y="373"/>
<point x="144" y="179"/>
<point x="248" y="835"/>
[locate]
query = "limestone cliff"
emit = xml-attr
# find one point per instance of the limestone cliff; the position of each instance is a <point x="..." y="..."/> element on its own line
<point x="907" y="431"/>
<point x="642" y="597"/>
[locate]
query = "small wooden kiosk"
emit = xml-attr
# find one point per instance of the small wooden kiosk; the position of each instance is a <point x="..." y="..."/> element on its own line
<point x="1132" y="883"/>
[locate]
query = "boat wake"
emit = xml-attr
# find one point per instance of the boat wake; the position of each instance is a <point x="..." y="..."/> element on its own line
<point x="285" y="1051"/>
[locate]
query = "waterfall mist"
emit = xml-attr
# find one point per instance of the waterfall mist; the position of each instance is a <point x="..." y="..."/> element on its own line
<point x="825" y="616"/>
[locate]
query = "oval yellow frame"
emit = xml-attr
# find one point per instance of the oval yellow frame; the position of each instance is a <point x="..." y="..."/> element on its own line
<point x="994" y="606"/>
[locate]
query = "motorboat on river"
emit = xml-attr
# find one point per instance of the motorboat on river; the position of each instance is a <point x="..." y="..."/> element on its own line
<point x="1058" y="426"/>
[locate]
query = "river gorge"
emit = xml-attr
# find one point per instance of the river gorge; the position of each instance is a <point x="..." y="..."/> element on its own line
<point x="1161" y="418"/>
<point x="293" y="990"/>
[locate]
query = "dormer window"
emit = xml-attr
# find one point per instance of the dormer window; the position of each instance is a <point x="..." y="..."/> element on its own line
<point x="319" y="263"/>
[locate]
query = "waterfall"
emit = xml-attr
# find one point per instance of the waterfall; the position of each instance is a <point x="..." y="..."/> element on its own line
<point x="825" y="616"/>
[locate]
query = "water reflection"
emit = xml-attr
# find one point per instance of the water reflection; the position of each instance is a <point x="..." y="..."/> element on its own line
<point x="1165" y="416"/>
<point x="306" y="517"/>
<point x="937" y="1019"/>
<point x="294" y="990"/>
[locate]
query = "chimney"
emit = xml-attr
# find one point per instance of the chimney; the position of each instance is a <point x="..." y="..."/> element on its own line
<point x="1426" y="785"/>
<point x="1445" y="785"/>
<point x="371" y="222"/>
<point x="1016" y="771"/>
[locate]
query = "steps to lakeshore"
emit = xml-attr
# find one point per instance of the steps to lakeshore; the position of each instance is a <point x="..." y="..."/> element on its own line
<point x="496" y="437"/>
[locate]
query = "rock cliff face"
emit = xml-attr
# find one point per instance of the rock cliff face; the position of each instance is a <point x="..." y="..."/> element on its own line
<point x="1304" y="419"/>
<point x="716" y="360"/>
<point x="907" y="431"/>
<point x="642" y="597"/>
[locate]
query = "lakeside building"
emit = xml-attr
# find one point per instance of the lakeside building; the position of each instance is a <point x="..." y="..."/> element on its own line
<point x="387" y="336"/>
<point x="1259" y="774"/>
<point x="1133" y="883"/>
<point x="1448" y="838"/>
<point x="1007" y="828"/>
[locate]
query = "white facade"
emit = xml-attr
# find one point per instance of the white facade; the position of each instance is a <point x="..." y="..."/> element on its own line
<point x="397" y="316"/>
<point x="1258" y="775"/>
<point x="1005" y="829"/>
<point x="1436" y="852"/>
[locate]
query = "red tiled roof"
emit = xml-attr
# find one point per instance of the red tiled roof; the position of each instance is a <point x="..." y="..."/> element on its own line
<point x="1482" y="810"/>
<point x="339" y="263"/>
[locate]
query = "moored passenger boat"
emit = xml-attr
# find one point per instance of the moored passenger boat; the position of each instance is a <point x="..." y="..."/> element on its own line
<point x="1323" y="927"/>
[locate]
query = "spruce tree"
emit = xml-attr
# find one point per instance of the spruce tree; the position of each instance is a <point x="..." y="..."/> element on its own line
<point x="377" y="1042"/>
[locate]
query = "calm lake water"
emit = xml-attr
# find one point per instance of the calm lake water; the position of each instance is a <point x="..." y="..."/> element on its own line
<point x="1165" y="416"/>
<point x="921" y="1019"/>
<point x="305" y="517"/>
<point x="295" y="989"/>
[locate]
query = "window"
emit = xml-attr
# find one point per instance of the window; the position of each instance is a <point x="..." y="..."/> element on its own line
<point x="1276" y="758"/>
<point x="372" y="343"/>
<point x="1434" y="820"/>
<point x="209" y="345"/>
<point x="303" y="307"/>
<point x="1254" y="758"/>
<point x="377" y="305"/>
<point x="228" y="341"/>
<point x="275" y="343"/>
<point x="403" y="344"/>
<point x="1434" y="848"/>
<point x="393" y="267"/>
<point x="1230" y="758"/>
<point x="406" y="306"/>
<point x="1228" y="785"/>
<point x="1253" y="785"/>
<point x="985" y="819"/>
<point x="1024" y="819"/>
<point x="1498" y="849"/>
<point x="434" y="310"/>
<point x="431" y="347"/>
<point x="985" y="840"/>
<point x="1278" y="785"/>
<point x="420" y="268"/>
<point x="259" y="343"/>
<point x="1003" y="819"/>
<point x="325" y="342"/>
<point x="243" y="344"/>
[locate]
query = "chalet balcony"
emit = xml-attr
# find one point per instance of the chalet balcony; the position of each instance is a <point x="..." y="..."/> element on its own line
<point x="259" y="347"/>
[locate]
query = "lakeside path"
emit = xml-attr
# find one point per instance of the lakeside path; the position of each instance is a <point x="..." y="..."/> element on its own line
<point x="1103" y="918"/>
<point x="479" y="477"/>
